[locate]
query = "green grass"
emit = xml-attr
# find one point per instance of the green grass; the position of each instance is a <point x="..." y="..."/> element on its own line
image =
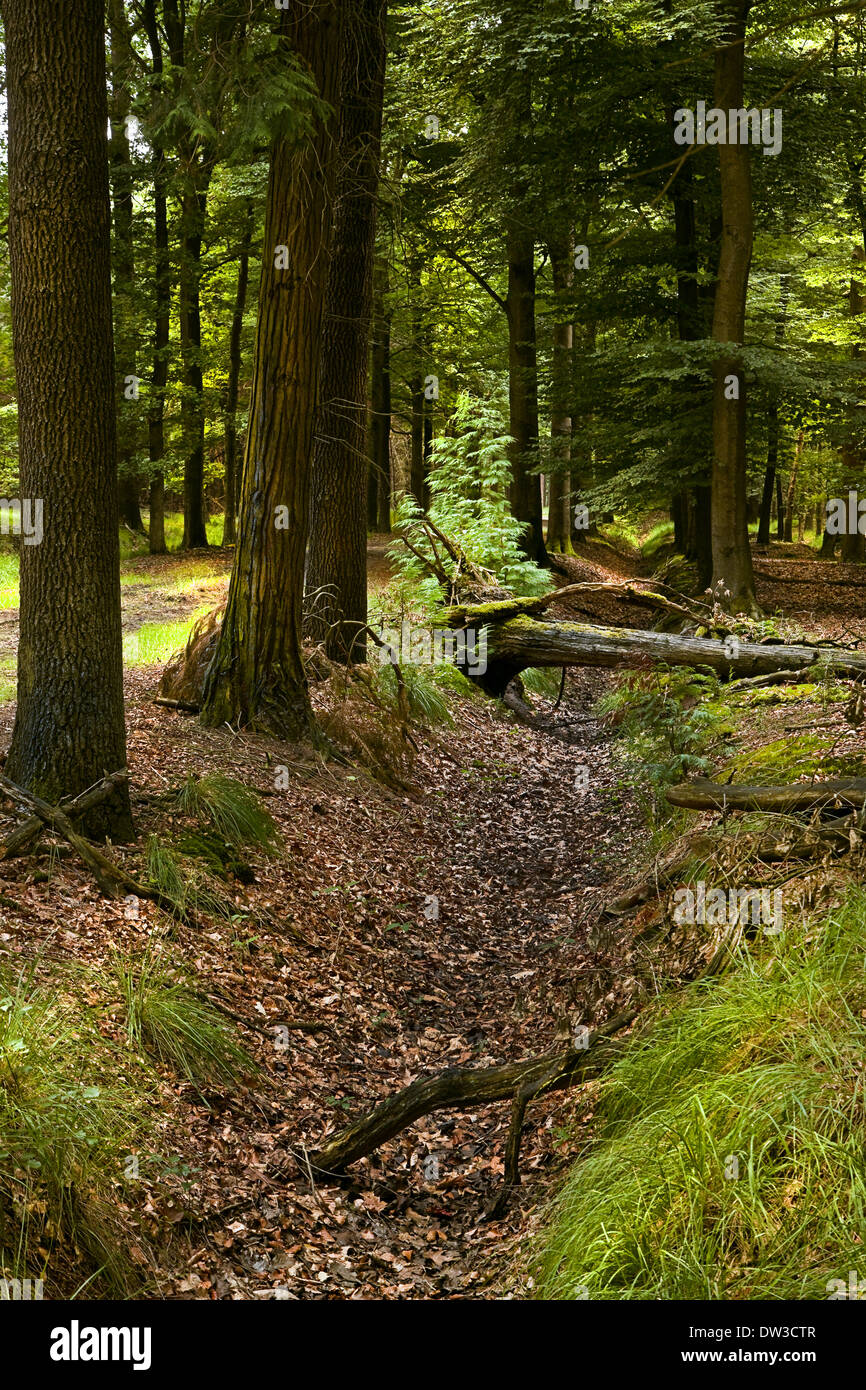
<point x="759" y="1072"/>
<point x="153" y="643"/>
<point x="168" y="1021"/>
<point x="8" y="579"/>
<point x="70" y="1113"/>
<point x="235" y="811"/>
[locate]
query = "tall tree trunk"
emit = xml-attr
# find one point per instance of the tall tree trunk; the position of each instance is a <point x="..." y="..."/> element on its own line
<point x="773" y="420"/>
<point x="558" y="518"/>
<point x="69" y="725"/>
<point x="193" y="215"/>
<point x="230" y="426"/>
<point x="379" y="491"/>
<point x="337" y="559"/>
<point x="853" y="548"/>
<point x="421" y="369"/>
<point x="162" y="316"/>
<point x="732" y="557"/>
<point x="257" y="677"/>
<point x="125" y="334"/>
<point x="523" y="386"/>
<point x="792" y="488"/>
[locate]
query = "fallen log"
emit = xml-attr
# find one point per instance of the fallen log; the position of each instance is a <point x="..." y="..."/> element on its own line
<point x="459" y="1087"/>
<point x="111" y="879"/>
<point x="516" y="643"/>
<point x="703" y="795"/>
<point x="73" y="809"/>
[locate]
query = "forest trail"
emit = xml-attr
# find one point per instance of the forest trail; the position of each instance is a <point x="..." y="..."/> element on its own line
<point x="448" y="926"/>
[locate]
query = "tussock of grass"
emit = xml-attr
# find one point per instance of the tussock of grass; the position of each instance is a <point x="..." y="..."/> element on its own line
<point x="169" y="1021"/>
<point x="427" y="704"/>
<point x="68" y="1120"/>
<point x="765" y="1067"/>
<point x="234" y="811"/>
<point x="182" y="884"/>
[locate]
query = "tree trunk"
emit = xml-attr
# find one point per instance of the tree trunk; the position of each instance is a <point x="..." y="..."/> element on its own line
<point x="523" y="387"/>
<point x="518" y="643"/>
<point x="232" y="386"/>
<point x="732" y="558"/>
<point x="337" y="560"/>
<point x="773" y="420"/>
<point x="792" y="488"/>
<point x="257" y="678"/>
<point x="125" y="328"/>
<point x="558" y="518"/>
<point x="69" y="725"/>
<point x="162" y="316"/>
<point x="192" y="216"/>
<point x="379" y="493"/>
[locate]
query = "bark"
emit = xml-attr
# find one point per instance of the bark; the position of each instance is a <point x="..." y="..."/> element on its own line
<point x="336" y="581"/>
<point x="233" y="384"/>
<point x="520" y="642"/>
<point x="523" y="386"/>
<point x="558" y="518"/>
<point x="257" y="677"/>
<point x="792" y="489"/>
<point x="125" y="331"/>
<point x="702" y="795"/>
<point x="763" y="537"/>
<point x="69" y="725"/>
<point x="162" y="317"/>
<point x="379" y="490"/>
<point x="193" y="214"/>
<point x="853" y="549"/>
<point x="732" y="559"/>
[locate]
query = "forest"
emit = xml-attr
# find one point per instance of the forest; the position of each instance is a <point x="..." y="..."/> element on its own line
<point x="432" y="666"/>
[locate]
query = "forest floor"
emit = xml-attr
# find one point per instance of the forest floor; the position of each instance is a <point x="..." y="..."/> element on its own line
<point x="398" y="932"/>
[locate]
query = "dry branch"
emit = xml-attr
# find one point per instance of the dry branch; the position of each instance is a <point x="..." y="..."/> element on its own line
<point x="460" y="1087"/>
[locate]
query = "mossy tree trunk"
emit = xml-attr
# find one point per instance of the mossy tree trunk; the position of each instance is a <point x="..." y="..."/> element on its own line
<point x="69" y="727"/>
<point x="257" y="677"/>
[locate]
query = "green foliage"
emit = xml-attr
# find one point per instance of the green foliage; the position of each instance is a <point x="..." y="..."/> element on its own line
<point x="469" y="503"/>
<point x="542" y="680"/>
<point x="670" y="720"/>
<point x="170" y="1022"/>
<point x="758" y="1067"/>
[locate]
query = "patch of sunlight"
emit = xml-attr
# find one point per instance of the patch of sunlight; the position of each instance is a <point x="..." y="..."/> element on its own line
<point x="153" y="643"/>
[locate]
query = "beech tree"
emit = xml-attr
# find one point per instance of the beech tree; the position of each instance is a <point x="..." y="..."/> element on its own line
<point x="69" y="726"/>
<point x="732" y="556"/>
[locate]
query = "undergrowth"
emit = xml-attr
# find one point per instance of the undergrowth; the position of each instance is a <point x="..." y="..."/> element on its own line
<point x="729" y="1159"/>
